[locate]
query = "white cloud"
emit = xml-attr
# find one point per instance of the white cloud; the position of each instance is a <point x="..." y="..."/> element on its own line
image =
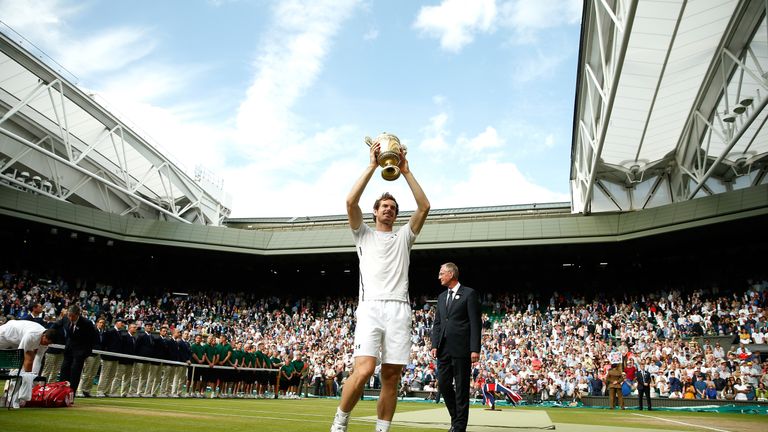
<point x="289" y="63"/>
<point x="487" y="139"/>
<point x="527" y="18"/>
<point x="371" y="34"/>
<point x="541" y="66"/>
<point x="38" y="21"/>
<point x="498" y="183"/>
<point x="110" y="50"/>
<point x="455" y="22"/>
<point x="435" y="133"/>
<point x="44" y="22"/>
<point x="527" y="138"/>
<point x="549" y="141"/>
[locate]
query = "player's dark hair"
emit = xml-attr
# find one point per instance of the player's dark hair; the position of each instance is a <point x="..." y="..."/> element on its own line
<point x="383" y="197"/>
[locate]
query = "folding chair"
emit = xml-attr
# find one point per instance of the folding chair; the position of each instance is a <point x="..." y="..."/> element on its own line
<point x="11" y="359"/>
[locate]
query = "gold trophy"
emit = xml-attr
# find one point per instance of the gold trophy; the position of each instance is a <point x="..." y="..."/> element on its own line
<point x="390" y="154"/>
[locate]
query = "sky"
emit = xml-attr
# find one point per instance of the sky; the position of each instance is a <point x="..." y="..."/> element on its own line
<point x="275" y="97"/>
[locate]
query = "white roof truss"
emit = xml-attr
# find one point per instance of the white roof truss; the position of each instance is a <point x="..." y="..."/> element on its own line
<point x="670" y="102"/>
<point x="57" y="141"/>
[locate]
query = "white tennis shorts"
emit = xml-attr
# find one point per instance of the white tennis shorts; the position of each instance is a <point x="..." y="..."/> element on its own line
<point x="384" y="330"/>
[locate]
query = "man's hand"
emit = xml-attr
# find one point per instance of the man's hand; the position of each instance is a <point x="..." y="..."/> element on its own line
<point x="375" y="149"/>
<point x="404" y="169"/>
<point x="475" y="357"/>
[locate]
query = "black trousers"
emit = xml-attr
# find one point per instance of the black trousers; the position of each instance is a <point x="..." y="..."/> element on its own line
<point x="72" y="367"/>
<point x="644" y="391"/>
<point x="456" y="397"/>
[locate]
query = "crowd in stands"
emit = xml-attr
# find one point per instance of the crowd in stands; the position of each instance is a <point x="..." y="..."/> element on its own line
<point x="553" y="348"/>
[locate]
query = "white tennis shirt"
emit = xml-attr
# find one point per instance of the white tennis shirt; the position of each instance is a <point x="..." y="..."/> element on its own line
<point x="384" y="261"/>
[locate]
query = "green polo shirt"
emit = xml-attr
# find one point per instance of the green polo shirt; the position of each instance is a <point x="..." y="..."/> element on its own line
<point x="275" y="362"/>
<point x="298" y="366"/>
<point x="237" y="356"/>
<point x="198" y="350"/>
<point x="264" y="361"/>
<point x="286" y="370"/>
<point x="223" y="350"/>
<point x="211" y="351"/>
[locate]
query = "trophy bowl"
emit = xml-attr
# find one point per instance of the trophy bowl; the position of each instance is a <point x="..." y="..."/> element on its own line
<point x="390" y="154"/>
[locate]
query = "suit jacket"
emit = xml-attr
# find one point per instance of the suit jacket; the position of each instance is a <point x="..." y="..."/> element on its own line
<point x="171" y="349"/>
<point x="127" y="346"/>
<point x="145" y="346"/>
<point x="185" y="352"/>
<point x="99" y="345"/>
<point x="643" y="379"/>
<point x="457" y="329"/>
<point x="82" y="338"/>
<point x="112" y="342"/>
<point x="38" y="320"/>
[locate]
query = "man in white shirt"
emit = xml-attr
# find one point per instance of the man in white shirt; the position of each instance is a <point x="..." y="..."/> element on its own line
<point x="383" y="314"/>
<point x="28" y="336"/>
<point x="758" y="337"/>
<point x="33" y="339"/>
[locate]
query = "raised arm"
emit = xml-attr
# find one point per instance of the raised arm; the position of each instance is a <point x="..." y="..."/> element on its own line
<point x="422" y="203"/>
<point x="354" y="213"/>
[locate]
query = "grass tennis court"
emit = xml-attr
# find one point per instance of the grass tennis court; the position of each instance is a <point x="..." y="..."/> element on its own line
<point x="314" y="415"/>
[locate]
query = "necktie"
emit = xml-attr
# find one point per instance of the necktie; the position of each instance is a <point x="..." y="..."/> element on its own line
<point x="450" y="300"/>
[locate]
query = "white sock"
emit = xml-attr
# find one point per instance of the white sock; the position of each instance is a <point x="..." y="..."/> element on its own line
<point x="382" y="425"/>
<point x="342" y="418"/>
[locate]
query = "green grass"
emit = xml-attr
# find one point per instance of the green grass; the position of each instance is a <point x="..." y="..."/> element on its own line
<point x="310" y="415"/>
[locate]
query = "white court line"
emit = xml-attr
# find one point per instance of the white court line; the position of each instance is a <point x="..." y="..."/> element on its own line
<point x="682" y="423"/>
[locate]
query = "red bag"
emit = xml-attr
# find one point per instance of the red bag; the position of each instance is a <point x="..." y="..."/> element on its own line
<point x="52" y="395"/>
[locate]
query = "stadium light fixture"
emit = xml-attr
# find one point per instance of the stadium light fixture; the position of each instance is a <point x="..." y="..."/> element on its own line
<point x="741" y="108"/>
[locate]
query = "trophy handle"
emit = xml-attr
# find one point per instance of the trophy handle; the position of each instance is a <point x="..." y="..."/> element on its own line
<point x="368" y="141"/>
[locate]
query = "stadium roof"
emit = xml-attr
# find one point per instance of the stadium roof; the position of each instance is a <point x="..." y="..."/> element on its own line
<point x="670" y="102"/>
<point x="58" y="141"/>
<point x="445" y="230"/>
<point x="453" y="214"/>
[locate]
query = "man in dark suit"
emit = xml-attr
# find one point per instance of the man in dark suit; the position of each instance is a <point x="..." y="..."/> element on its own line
<point x="111" y="342"/>
<point x="93" y="362"/>
<point x="456" y="343"/>
<point x="141" y="381"/>
<point x="36" y="314"/>
<point x="643" y="378"/>
<point x="121" y="385"/>
<point x="80" y="335"/>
